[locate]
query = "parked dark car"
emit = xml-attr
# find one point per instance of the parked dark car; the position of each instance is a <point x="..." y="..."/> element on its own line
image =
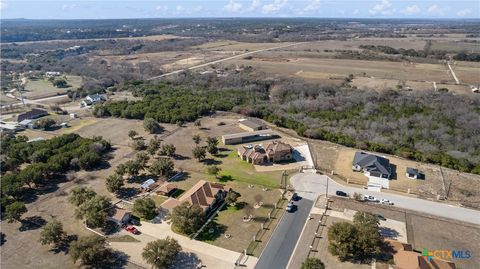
<point x="341" y="193"/>
<point x="295" y="197"/>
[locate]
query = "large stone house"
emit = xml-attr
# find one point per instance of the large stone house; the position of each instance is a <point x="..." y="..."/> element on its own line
<point x="274" y="152"/>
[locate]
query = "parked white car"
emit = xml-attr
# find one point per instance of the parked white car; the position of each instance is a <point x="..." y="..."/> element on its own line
<point x="386" y="202"/>
<point x="370" y="198"/>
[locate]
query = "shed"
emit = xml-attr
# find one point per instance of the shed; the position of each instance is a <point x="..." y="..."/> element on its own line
<point x="251" y="125"/>
<point x="148" y="185"/>
<point x="167" y="189"/>
<point x="413" y="173"/>
<point x="119" y="215"/>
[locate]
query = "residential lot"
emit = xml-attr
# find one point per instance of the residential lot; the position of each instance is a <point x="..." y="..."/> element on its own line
<point x="40" y="88"/>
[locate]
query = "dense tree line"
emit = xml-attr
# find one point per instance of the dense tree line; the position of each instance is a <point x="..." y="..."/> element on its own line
<point x="436" y="54"/>
<point x="34" y="165"/>
<point x="427" y="126"/>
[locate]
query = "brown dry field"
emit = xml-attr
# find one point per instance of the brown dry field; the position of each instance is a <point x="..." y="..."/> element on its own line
<point x="344" y="67"/>
<point x="353" y="44"/>
<point x="235" y="46"/>
<point x="467" y="72"/>
<point x="424" y="230"/>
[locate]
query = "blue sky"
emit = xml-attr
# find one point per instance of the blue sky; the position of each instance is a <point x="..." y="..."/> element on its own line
<point x="109" y="9"/>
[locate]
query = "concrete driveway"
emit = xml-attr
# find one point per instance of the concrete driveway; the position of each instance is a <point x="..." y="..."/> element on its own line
<point x="194" y="252"/>
<point x="316" y="184"/>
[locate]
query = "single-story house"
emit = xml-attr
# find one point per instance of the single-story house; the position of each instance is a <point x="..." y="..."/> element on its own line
<point x="413" y="173"/>
<point x="205" y="194"/>
<point x="251" y="125"/>
<point x="376" y="168"/>
<point x="148" y="185"/>
<point x="405" y="258"/>
<point x="119" y="215"/>
<point x="274" y="152"/>
<point x="167" y="189"/>
<point x="11" y="127"/>
<point x="27" y="124"/>
<point x="35" y="113"/>
<point x="92" y="100"/>
<point x="245" y="137"/>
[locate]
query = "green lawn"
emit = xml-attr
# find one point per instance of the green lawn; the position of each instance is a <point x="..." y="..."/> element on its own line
<point x="233" y="168"/>
<point x="158" y="199"/>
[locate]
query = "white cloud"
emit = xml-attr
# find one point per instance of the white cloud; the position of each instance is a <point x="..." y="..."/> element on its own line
<point x="161" y="8"/>
<point x="436" y="10"/>
<point x="464" y="12"/>
<point x="68" y="6"/>
<point x="275" y="6"/>
<point x="355" y="12"/>
<point x="382" y="9"/>
<point x="313" y="6"/>
<point x="232" y="6"/>
<point x="411" y="10"/>
<point x="3" y="5"/>
<point x="255" y="4"/>
<point x="180" y="8"/>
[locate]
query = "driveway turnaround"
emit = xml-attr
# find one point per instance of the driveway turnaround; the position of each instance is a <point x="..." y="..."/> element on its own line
<point x="283" y="240"/>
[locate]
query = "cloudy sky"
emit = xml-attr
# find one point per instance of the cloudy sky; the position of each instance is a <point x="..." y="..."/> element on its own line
<point x="108" y="9"/>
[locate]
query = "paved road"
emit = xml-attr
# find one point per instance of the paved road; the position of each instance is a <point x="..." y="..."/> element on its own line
<point x="317" y="183"/>
<point x="225" y="59"/>
<point x="282" y="243"/>
<point x="36" y="101"/>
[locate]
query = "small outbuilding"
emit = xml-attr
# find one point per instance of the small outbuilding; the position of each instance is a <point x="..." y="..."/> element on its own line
<point x="413" y="173"/>
<point x="167" y="189"/>
<point x="251" y="125"/>
<point x="148" y="185"/>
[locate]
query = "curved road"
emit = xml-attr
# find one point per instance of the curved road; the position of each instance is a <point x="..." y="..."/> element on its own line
<point x="309" y="186"/>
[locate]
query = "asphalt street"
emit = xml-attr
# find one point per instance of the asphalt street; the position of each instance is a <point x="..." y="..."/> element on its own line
<point x="318" y="183"/>
<point x="282" y="243"/>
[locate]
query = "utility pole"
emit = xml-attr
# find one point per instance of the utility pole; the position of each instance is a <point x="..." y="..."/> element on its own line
<point x="326" y="192"/>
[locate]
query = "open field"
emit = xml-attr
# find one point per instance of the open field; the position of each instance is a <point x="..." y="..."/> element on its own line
<point x="235" y="46"/>
<point x="455" y="46"/>
<point x="353" y="44"/>
<point x="41" y="88"/>
<point x="467" y="72"/>
<point x="344" y="67"/>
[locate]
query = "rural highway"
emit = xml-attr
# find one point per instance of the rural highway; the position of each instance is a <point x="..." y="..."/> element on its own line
<point x="225" y="59"/>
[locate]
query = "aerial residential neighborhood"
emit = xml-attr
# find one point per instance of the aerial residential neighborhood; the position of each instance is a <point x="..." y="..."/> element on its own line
<point x="240" y="134"/>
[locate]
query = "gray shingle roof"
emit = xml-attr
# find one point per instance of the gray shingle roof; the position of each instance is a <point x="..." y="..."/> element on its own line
<point x="372" y="163"/>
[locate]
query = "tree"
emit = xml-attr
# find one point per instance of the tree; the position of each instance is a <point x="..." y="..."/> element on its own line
<point x="142" y="158"/>
<point x="167" y="149"/>
<point x="138" y="144"/>
<point x="187" y="218"/>
<point x="365" y="219"/>
<point x="213" y="170"/>
<point x="94" y="211"/>
<point x="89" y="160"/>
<point x="342" y="238"/>
<point x="151" y="126"/>
<point x="161" y="253"/>
<point x="52" y="233"/>
<point x="91" y="251"/>
<point x="196" y="139"/>
<point x="199" y="153"/>
<point x="312" y="263"/>
<point x="133" y="168"/>
<point x="357" y="196"/>
<point x="14" y="211"/>
<point x="44" y="123"/>
<point x="232" y="197"/>
<point x="153" y="146"/>
<point x="60" y="83"/>
<point x="80" y="195"/>
<point x="114" y="182"/>
<point x="212" y="143"/>
<point x="121" y="169"/>
<point x="132" y="134"/>
<point x="161" y="167"/>
<point x="145" y="208"/>
<point x="197" y="123"/>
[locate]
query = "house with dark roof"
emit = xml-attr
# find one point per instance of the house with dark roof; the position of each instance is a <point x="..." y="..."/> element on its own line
<point x="274" y="152"/>
<point x="371" y="165"/>
<point x="35" y="113"/>
<point x="376" y="168"/>
<point x="205" y="194"/>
